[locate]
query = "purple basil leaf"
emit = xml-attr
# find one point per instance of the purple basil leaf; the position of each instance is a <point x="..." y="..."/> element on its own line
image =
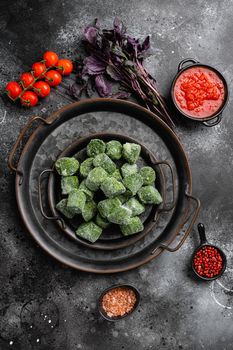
<point x="90" y="34"/>
<point x="75" y="90"/>
<point x="146" y="44"/>
<point x="113" y="73"/>
<point x="97" y="23"/>
<point x="124" y="95"/>
<point x="119" y="27"/>
<point x="93" y="66"/>
<point x="103" y="86"/>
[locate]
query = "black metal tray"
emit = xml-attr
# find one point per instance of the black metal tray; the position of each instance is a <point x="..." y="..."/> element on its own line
<point x="72" y="122"/>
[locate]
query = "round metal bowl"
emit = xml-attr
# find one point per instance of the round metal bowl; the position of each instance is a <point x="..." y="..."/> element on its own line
<point x="111" y="237"/>
<point x="113" y="319"/>
<point x="216" y="117"/>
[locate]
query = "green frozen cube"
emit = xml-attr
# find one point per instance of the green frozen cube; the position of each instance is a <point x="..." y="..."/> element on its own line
<point x="83" y="187"/>
<point x="112" y="187"/>
<point x="103" y="161"/>
<point x="114" y="149"/>
<point x="95" y="178"/>
<point x="149" y="195"/>
<point x="131" y="152"/>
<point x="135" y="206"/>
<point x="129" y="169"/>
<point x="76" y="201"/>
<point x="95" y="147"/>
<point x="148" y="175"/>
<point x="89" y="231"/>
<point x="62" y="207"/>
<point x="89" y="210"/>
<point x="120" y="215"/>
<point x="101" y="222"/>
<point x="124" y="197"/>
<point x="86" y="166"/>
<point x="69" y="183"/>
<point x="67" y="166"/>
<point x="133" y="183"/>
<point x="117" y="175"/>
<point x="133" y="226"/>
<point x="106" y="206"/>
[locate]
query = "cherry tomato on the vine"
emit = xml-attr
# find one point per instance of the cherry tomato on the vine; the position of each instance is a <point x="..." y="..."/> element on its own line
<point x="38" y="69"/>
<point x="29" y="99"/>
<point x="13" y="89"/>
<point x="50" y="58"/>
<point x="53" y="78"/>
<point x="64" y="66"/>
<point x="26" y="79"/>
<point x="41" y="88"/>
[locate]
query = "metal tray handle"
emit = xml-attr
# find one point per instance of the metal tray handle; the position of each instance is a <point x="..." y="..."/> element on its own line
<point x="11" y="157"/>
<point x="191" y="61"/>
<point x="195" y="215"/>
<point x="165" y="207"/>
<point x="41" y="202"/>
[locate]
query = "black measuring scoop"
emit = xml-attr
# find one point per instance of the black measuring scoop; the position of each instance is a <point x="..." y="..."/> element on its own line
<point x="205" y="243"/>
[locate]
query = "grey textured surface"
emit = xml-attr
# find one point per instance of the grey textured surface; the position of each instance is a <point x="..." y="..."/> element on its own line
<point x="44" y="305"/>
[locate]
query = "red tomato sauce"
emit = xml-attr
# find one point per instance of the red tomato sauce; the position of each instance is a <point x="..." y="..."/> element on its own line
<point x="199" y="92"/>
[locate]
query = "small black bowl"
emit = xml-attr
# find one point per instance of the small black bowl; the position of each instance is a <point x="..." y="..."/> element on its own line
<point x="213" y="119"/>
<point x="103" y="313"/>
<point x="205" y="243"/>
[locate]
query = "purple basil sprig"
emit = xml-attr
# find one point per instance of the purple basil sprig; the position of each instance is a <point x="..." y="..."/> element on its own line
<point x="114" y="56"/>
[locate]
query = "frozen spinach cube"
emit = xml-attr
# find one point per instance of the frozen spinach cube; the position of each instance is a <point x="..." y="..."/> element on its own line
<point x="131" y="152"/>
<point x="62" y="207"/>
<point x="117" y="175"/>
<point x="133" y="183"/>
<point x="76" y="201"/>
<point x="86" y="166"/>
<point x="112" y="187"/>
<point x="67" y="166"/>
<point x="89" y="210"/>
<point x="106" y="206"/>
<point x="148" y="175"/>
<point x="103" y="161"/>
<point x="135" y="206"/>
<point x="114" y="149"/>
<point x="83" y="187"/>
<point x="149" y="195"/>
<point x="95" y="147"/>
<point x="101" y="222"/>
<point x="89" y="231"/>
<point x="95" y="178"/>
<point x="129" y="169"/>
<point x="133" y="226"/>
<point x="120" y="215"/>
<point x="69" y="183"/>
<point x="124" y="197"/>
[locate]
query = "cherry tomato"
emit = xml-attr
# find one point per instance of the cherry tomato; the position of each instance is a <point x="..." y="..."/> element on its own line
<point x="29" y="99"/>
<point x="38" y="69"/>
<point x="51" y="58"/>
<point x="41" y="88"/>
<point x="26" y="79"/>
<point x="53" y="78"/>
<point x="13" y="89"/>
<point x="64" y="66"/>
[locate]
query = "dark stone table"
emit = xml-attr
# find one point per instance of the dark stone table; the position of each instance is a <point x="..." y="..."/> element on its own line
<point x="176" y="311"/>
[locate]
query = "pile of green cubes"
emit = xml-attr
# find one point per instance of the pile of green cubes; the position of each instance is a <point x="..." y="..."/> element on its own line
<point x="112" y="169"/>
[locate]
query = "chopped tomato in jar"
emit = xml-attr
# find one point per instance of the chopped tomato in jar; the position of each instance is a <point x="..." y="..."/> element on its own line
<point x="199" y="92"/>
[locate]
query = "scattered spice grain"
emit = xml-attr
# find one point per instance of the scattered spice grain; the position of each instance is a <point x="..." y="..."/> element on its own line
<point x="118" y="301"/>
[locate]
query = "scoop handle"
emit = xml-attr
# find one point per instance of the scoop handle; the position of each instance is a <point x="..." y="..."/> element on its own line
<point x="201" y="230"/>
